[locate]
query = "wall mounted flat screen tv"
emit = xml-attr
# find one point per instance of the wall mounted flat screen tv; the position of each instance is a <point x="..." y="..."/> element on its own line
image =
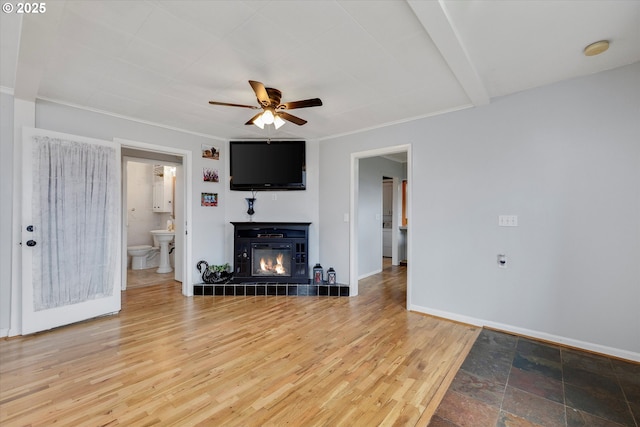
<point x="267" y="165"/>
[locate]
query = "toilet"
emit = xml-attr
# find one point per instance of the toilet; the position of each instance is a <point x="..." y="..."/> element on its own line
<point x="139" y="256"/>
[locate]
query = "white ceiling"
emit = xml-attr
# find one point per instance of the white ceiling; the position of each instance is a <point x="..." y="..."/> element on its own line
<point x="372" y="63"/>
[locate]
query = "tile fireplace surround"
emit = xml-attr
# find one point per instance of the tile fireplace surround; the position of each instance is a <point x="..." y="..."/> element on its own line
<point x="271" y="289"/>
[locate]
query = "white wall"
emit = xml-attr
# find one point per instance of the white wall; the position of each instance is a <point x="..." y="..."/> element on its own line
<point x="206" y="221"/>
<point x="279" y="206"/>
<point x="212" y="232"/>
<point x="141" y="218"/>
<point x="566" y="159"/>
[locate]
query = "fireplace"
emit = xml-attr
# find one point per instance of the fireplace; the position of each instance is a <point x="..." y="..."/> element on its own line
<point x="271" y="252"/>
<point x="270" y="259"/>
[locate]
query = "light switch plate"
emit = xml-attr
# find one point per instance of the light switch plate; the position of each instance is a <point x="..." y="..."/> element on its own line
<point x="508" y="220"/>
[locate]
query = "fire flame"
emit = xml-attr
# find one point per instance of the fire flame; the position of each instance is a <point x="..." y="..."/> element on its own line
<point x="279" y="267"/>
<point x="267" y="265"/>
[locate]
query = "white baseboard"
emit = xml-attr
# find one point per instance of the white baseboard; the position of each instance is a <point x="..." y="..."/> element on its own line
<point x="4" y="333"/>
<point x="371" y="273"/>
<point x="570" y="342"/>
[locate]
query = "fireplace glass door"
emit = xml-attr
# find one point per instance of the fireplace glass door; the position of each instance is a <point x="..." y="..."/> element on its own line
<point x="271" y="259"/>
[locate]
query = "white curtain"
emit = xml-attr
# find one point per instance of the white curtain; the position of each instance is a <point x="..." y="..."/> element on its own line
<point x="75" y="213"/>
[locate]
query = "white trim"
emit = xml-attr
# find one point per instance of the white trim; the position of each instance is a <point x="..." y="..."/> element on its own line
<point x="371" y="273"/>
<point x="353" y="225"/>
<point x="4" y="333"/>
<point x="570" y="342"/>
<point x="396" y="122"/>
<point x="436" y="22"/>
<point x="187" y="161"/>
<point x="353" y="213"/>
<point x="129" y="118"/>
<point x="24" y="115"/>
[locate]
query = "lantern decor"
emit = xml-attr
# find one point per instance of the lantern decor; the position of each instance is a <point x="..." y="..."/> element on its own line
<point x="331" y="276"/>
<point x="317" y="274"/>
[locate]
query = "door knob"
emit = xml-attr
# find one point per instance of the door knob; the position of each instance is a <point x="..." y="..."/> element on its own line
<point x="31" y="242"/>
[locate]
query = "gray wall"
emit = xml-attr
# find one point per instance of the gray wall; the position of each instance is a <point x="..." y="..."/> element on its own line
<point x="565" y="158"/>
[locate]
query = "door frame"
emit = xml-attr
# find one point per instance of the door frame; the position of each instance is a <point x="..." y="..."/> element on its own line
<point x="353" y="208"/>
<point x="187" y="159"/>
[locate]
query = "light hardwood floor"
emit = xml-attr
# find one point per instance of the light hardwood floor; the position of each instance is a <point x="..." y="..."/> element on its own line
<point x="237" y="361"/>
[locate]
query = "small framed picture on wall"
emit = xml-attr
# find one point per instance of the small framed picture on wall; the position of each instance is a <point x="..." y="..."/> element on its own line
<point x="209" y="199"/>
<point x="210" y="175"/>
<point x="210" y="152"/>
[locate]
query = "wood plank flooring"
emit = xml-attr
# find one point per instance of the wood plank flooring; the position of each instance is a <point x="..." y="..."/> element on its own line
<point x="148" y="277"/>
<point x="237" y="361"/>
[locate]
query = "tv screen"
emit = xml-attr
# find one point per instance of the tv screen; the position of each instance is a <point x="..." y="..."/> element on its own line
<point x="267" y="165"/>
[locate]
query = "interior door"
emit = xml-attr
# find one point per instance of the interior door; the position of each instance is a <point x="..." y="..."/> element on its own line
<point x="71" y="251"/>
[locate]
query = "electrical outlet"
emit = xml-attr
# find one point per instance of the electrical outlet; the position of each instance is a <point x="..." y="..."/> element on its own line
<point x="508" y="220"/>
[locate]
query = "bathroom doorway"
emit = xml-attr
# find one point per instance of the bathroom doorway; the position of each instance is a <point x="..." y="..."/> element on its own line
<point x="155" y="197"/>
<point x="150" y="198"/>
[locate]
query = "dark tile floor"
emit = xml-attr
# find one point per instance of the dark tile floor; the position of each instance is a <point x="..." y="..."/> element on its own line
<point x="510" y="381"/>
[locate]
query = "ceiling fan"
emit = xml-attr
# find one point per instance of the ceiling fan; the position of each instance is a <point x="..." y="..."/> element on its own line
<point x="273" y="112"/>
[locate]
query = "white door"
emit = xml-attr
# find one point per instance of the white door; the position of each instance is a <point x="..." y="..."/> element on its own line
<point x="71" y="251"/>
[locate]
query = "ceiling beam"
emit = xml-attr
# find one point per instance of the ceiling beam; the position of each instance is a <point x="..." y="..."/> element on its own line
<point x="433" y="17"/>
<point x="36" y="40"/>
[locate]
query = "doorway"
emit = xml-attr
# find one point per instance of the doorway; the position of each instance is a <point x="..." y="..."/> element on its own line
<point x="361" y="164"/>
<point x="154" y="155"/>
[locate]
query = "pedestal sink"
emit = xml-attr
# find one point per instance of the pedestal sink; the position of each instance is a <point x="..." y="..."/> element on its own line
<point x="164" y="237"/>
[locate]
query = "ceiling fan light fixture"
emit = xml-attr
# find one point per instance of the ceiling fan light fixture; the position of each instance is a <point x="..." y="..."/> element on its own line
<point x="259" y="122"/>
<point x="278" y="122"/>
<point x="272" y="110"/>
<point x="267" y="117"/>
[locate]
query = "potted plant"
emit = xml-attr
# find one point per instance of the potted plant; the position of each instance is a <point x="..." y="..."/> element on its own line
<point x="214" y="273"/>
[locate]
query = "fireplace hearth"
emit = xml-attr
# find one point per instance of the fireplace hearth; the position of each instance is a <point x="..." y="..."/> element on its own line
<point x="271" y="259"/>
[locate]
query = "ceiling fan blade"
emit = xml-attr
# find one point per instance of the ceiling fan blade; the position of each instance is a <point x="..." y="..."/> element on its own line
<point x="250" y="122"/>
<point x="261" y="92"/>
<point x="313" y="102"/>
<point x="292" y="119"/>
<point x="253" y="107"/>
